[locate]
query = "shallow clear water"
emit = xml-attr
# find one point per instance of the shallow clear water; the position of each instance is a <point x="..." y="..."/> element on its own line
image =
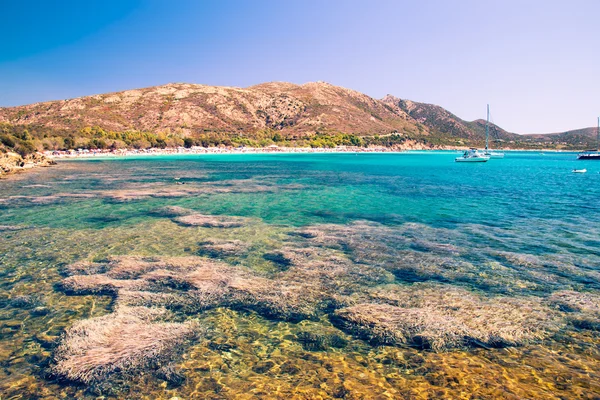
<point x="523" y="227"/>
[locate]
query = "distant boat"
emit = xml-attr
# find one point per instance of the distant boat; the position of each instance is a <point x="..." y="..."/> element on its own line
<point x="472" y="155"/>
<point x="487" y="152"/>
<point x="579" y="171"/>
<point x="592" y="154"/>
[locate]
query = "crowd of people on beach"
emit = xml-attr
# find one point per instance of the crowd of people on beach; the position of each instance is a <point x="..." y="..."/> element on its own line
<point x="212" y="150"/>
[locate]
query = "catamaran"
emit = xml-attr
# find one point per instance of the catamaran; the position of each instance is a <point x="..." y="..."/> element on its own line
<point x="487" y="152"/>
<point x="472" y="155"/>
<point x="592" y="154"/>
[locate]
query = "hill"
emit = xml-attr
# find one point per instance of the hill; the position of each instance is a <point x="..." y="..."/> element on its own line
<point x="447" y="127"/>
<point x="585" y="138"/>
<point x="314" y="114"/>
<point x="444" y="124"/>
<point x="211" y="115"/>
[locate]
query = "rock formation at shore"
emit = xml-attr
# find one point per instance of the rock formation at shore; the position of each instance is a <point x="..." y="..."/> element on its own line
<point x="13" y="162"/>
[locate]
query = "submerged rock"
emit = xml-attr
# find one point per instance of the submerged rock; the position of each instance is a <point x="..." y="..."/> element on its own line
<point x="124" y="342"/>
<point x="25" y="302"/>
<point x="419" y="253"/>
<point x="84" y="267"/>
<point x="170" y="374"/>
<point x="289" y="367"/>
<point x="183" y="189"/>
<point x="193" y="284"/>
<point x="11" y="228"/>
<point x="320" y="341"/>
<point x="335" y="274"/>
<point x="312" y="341"/>
<point x="280" y="259"/>
<point x="40" y="311"/>
<point x="222" y="248"/>
<point x="583" y="308"/>
<point x="263" y="367"/>
<point x="187" y="217"/>
<point x="210" y="221"/>
<point x="171" y="211"/>
<point x="11" y="162"/>
<point x="442" y="317"/>
<point x="359" y="298"/>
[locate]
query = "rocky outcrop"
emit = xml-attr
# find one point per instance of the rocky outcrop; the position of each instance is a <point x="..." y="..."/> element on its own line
<point x="13" y="162"/>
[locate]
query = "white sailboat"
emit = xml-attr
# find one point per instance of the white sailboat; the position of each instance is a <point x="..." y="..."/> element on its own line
<point x="472" y="155"/>
<point x="487" y="152"/>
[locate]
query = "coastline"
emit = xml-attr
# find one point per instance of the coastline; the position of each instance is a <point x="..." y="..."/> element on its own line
<point x="86" y="154"/>
<point x="11" y="163"/>
<point x="222" y="151"/>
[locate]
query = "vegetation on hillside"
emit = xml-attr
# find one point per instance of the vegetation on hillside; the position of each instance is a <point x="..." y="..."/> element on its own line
<point x="26" y="139"/>
<point x="17" y="139"/>
<point x="283" y="114"/>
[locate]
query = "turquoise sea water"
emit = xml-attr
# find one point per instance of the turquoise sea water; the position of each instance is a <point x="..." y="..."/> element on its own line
<point x="524" y="227"/>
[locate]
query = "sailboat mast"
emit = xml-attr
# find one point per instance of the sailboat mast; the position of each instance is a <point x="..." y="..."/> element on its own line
<point x="487" y="123"/>
<point x="598" y="136"/>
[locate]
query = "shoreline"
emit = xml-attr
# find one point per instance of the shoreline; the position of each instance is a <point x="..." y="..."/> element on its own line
<point x="87" y="154"/>
<point x="12" y="163"/>
<point x="221" y="151"/>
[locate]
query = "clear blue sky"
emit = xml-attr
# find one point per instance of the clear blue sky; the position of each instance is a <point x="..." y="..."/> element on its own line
<point x="536" y="62"/>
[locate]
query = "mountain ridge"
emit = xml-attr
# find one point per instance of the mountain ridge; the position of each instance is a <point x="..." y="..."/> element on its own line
<point x="258" y="114"/>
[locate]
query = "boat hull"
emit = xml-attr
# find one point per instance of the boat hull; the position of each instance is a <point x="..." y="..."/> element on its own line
<point x="473" y="159"/>
<point x="589" y="157"/>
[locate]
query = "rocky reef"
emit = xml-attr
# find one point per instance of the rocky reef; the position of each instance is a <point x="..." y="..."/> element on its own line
<point x="194" y="284"/>
<point x="128" y="341"/>
<point x="583" y="308"/>
<point x="149" y="294"/>
<point x="333" y="282"/>
<point x="180" y="188"/>
<point x="441" y="317"/>
<point x="126" y="192"/>
<point x="13" y="162"/>
<point x="217" y="248"/>
<point x="419" y="253"/>
<point x="187" y="217"/>
<point x="210" y="221"/>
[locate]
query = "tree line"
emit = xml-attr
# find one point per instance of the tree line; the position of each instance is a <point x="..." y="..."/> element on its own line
<point x="26" y="139"/>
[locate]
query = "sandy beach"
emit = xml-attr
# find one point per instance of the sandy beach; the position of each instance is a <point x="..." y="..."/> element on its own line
<point x="221" y="150"/>
<point x="84" y="153"/>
